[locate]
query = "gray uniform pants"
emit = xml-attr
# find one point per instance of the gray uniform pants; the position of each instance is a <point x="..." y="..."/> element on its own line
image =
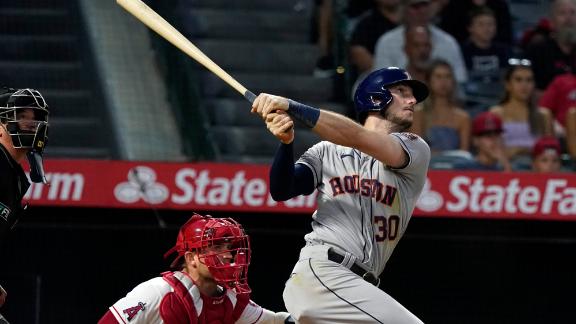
<point x="322" y="291"/>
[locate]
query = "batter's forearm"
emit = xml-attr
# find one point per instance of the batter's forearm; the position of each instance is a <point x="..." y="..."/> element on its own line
<point x="339" y="129"/>
<point x="330" y="126"/>
<point x="344" y="131"/>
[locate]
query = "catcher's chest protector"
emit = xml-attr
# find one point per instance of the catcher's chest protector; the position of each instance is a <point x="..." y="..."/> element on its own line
<point x="220" y="308"/>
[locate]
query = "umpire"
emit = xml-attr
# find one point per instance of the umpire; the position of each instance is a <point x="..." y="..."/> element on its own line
<point x="23" y="133"/>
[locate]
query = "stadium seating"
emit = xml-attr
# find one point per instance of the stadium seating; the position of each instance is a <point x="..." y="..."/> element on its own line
<point x="44" y="47"/>
<point x="266" y="46"/>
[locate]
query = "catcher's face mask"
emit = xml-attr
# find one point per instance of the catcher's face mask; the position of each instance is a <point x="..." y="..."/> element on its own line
<point x="25" y="115"/>
<point x="227" y="256"/>
<point x="221" y="245"/>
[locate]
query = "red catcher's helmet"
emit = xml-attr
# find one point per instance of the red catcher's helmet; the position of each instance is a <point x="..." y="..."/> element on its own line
<point x="221" y="244"/>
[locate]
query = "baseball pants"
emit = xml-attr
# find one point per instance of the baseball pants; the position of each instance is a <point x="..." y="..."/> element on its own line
<point x="322" y="291"/>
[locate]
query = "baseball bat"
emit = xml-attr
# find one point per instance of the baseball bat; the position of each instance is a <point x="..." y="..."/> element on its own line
<point x="158" y="24"/>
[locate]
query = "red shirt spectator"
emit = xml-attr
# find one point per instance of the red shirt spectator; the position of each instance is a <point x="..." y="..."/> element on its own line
<point x="560" y="96"/>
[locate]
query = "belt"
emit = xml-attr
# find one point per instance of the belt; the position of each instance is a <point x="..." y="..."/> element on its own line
<point x="366" y="275"/>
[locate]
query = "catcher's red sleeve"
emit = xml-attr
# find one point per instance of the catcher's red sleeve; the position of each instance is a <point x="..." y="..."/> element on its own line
<point x="108" y="318"/>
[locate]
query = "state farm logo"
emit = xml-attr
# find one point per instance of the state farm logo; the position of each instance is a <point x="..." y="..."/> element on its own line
<point x="192" y="187"/>
<point x="474" y="195"/>
<point x="429" y="200"/>
<point x="141" y="185"/>
<point x="482" y="196"/>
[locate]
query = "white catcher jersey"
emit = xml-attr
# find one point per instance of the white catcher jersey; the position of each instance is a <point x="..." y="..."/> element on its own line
<point x="364" y="206"/>
<point x="142" y="304"/>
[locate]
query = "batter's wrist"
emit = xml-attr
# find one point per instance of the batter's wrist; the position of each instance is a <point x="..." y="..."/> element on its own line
<point x="303" y="113"/>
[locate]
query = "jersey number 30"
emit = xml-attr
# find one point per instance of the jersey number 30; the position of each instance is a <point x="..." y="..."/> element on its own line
<point x="386" y="228"/>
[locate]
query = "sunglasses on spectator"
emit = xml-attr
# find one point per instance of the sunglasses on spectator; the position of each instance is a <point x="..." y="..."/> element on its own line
<point x="521" y="62"/>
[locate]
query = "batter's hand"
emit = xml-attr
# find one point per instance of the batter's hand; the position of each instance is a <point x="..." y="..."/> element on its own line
<point x="281" y="126"/>
<point x="265" y="104"/>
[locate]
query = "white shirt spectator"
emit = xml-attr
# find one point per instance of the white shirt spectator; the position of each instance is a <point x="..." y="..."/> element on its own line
<point x="389" y="51"/>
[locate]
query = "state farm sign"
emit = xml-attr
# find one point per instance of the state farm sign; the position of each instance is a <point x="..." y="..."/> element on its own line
<point x="200" y="187"/>
<point x="242" y="187"/>
<point x="489" y="194"/>
<point x="203" y="186"/>
<point x="63" y="187"/>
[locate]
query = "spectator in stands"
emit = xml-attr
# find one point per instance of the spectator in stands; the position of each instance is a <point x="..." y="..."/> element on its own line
<point x="358" y="8"/>
<point x="561" y="14"/>
<point x="560" y="98"/>
<point x="325" y="65"/>
<point x="436" y="7"/>
<point x="454" y="18"/>
<point x="325" y="30"/>
<point x="439" y="119"/>
<point x="390" y="46"/>
<point x="383" y="17"/>
<point x="487" y="141"/>
<point x="554" y="54"/>
<point x="484" y="56"/>
<point x="418" y="49"/>
<point x="546" y="155"/>
<point x="523" y="121"/>
<point x="571" y="133"/>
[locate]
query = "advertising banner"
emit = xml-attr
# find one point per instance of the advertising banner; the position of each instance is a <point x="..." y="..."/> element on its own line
<point x="244" y="188"/>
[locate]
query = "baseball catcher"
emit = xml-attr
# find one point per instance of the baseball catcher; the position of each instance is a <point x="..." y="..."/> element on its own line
<point x="209" y="283"/>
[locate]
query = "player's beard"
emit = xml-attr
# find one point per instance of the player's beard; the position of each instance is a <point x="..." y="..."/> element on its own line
<point x="400" y="124"/>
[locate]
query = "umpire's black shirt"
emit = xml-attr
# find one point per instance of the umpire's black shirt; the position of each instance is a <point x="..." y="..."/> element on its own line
<point x="13" y="186"/>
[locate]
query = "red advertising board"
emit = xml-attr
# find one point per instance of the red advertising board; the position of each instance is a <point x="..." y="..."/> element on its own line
<point x="243" y="187"/>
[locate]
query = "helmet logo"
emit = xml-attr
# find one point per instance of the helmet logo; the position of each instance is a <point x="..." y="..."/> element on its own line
<point x="209" y="232"/>
<point x="375" y="100"/>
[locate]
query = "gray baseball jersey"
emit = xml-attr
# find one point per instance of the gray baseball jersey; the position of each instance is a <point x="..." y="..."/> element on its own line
<point x="364" y="206"/>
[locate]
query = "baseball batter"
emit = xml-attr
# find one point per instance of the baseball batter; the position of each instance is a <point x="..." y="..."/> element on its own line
<point x="210" y="285"/>
<point x="369" y="178"/>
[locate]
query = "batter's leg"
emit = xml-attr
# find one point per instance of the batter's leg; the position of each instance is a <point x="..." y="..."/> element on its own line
<point x="321" y="291"/>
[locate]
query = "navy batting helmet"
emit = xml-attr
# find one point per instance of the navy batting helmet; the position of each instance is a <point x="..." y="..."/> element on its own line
<point x="373" y="95"/>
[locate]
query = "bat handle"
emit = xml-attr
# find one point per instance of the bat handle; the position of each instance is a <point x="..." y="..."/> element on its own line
<point x="250" y="96"/>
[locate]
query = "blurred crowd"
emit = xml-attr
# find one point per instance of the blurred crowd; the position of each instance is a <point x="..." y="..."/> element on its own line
<point x="501" y="99"/>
